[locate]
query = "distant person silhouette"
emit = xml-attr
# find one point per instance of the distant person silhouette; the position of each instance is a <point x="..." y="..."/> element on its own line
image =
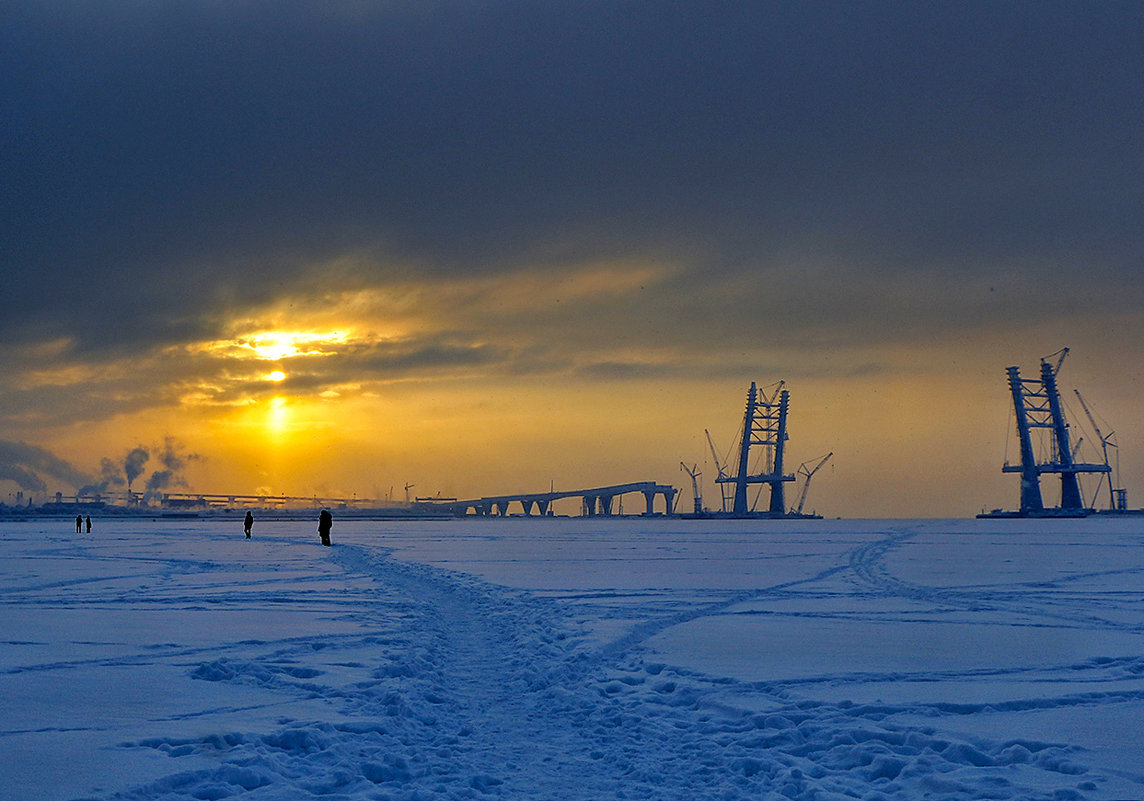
<point x="87" y="522"/>
<point x="325" y="523"/>
<point x="248" y="523"/>
<point x="78" y="523"/>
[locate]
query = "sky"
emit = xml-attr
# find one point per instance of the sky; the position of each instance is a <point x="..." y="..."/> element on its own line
<point x="490" y="247"/>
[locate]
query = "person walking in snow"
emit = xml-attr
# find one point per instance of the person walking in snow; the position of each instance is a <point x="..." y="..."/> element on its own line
<point x="78" y="523"/>
<point x="325" y="523"/>
<point x="87" y="522"/>
<point x="248" y="523"/>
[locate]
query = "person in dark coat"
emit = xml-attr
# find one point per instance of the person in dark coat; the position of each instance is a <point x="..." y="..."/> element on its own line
<point x="87" y="522"/>
<point x="78" y="523"/>
<point x="248" y="523"/>
<point x="325" y="523"/>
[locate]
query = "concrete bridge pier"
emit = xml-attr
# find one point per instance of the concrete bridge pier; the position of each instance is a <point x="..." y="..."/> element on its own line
<point x="598" y="505"/>
<point x="529" y="504"/>
<point x="649" y="497"/>
<point x="668" y="494"/>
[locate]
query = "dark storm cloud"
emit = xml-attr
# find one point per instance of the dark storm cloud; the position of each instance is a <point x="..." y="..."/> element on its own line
<point x="167" y="162"/>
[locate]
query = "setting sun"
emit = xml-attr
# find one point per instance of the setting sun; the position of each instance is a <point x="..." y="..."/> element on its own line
<point x="277" y="375"/>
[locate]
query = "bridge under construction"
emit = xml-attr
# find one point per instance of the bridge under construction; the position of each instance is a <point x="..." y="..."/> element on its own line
<point x="761" y="455"/>
<point x="1043" y="437"/>
<point x="597" y="501"/>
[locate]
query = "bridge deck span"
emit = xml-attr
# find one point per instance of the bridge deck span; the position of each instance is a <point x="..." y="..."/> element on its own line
<point x="597" y="500"/>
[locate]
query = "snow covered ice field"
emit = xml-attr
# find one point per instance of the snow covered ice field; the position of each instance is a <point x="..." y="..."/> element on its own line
<point x="573" y="659"/>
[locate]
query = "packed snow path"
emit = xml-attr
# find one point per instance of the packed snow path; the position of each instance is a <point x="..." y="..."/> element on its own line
<point x="302" y="672"/>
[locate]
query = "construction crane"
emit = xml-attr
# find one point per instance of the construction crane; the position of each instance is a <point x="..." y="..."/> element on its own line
<point x="803" y="471"/>
<point x="1060" y="354"/>
<point x="695" y="474"/>
<point x="1105" y="441"/>
<point x="1076" y="447"/>
<point x="407" y="488"/>
<point x="718" y="466"/>
<point x="715" y="456"/>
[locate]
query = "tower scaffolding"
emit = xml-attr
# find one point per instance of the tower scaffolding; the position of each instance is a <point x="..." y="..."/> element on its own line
<point x="765" y="427"/>
<point x="1037" y="404"/>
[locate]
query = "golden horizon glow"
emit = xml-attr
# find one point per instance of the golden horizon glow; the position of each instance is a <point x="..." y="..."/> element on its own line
<point x="444" y="386"/>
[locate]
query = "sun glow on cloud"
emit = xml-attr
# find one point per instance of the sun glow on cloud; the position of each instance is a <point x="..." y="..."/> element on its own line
<point x="277" y="345"/>
<point x="286" y="384"/>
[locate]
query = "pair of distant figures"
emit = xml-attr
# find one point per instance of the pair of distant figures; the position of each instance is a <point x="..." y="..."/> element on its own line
<point x="325" y="523"/>
<point x="80" y="522"/>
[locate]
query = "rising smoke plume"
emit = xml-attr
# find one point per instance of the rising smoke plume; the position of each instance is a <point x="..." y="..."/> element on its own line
<point x="173" y="460"/>
<point x="25" y="479"/>
<point x="28" y="466"/>
<point x="24" y="464"/>
<point x="133" y="463"/>
<point x="110" y="475"/>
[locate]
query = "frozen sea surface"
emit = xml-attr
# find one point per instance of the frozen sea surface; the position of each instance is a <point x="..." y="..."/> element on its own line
<point x="573" y="659"/>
